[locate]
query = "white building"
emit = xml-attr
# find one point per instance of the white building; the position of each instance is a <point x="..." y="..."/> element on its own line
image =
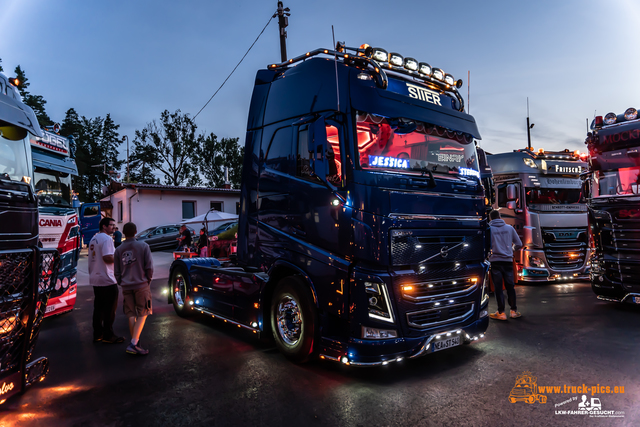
<point x="149" y="205"/>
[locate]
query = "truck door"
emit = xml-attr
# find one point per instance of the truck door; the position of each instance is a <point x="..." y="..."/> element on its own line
<point x="89" y="221"/>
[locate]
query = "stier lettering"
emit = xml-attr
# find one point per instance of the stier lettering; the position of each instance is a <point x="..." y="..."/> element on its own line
<point x="418" y="92"/>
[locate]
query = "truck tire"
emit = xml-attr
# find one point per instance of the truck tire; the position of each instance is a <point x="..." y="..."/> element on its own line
<point x="294" y="319"/>
<point x="542" y="399"/>
<point x="180" y="292"/>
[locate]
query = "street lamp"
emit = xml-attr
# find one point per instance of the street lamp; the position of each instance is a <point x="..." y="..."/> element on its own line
<point x="127" y="138"/>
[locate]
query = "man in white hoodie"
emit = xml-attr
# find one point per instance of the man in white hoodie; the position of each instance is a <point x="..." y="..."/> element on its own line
<point x="504" y="240"/>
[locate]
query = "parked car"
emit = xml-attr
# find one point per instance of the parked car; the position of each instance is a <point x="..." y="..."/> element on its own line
<point x="163" y="236"/>
<point x="224" y="227"/>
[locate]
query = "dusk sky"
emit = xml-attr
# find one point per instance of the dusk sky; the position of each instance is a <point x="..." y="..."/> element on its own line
<point x="134" y="59"/>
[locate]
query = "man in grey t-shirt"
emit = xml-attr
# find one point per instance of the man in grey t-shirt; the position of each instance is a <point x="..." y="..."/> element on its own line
<point x="133" y="268"/>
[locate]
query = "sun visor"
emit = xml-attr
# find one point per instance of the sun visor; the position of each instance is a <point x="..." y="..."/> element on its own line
<point x="15" y="112"/>
<point x="392" y="104"/>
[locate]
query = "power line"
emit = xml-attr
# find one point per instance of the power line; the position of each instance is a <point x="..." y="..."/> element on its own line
<point x="232" y="71"/>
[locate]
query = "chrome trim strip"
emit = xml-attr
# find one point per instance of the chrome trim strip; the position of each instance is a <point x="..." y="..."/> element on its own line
<point x="432" y="337"/>
<point x="469" y="289"/>
<point x="630" y="295"/>
<point x="600" y="297"/>
<point x="217" y="316"/>
<point x="436" y="217"/>
<point x="326" y="356"/>
<point x="442" y="322"/>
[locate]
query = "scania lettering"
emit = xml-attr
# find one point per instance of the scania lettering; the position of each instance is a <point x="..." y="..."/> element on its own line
<point x="54" y="165"/>
<point x="362" y="228"/>
<point x="539" y="194"/>
<point x="26" y="272"/>
<point x="613" y="181"/>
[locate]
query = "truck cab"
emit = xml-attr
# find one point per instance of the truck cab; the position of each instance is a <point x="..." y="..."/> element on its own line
<point x="362" y="230"/>
<point x="27" y="272"/>
<point x="613" y="184"/>
<point x="539" y="194"/>
<point x="53" y="168"/>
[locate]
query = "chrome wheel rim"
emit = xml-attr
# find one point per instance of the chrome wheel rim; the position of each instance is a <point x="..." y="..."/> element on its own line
<point x="179" y="291"/>
<point x="289" y="320"/>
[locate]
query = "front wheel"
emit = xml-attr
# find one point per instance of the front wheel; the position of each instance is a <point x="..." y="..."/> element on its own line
<point x="294" y="319"/>
<point x="180" y="292"/>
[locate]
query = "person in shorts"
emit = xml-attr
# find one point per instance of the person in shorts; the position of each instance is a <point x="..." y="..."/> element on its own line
<point x="133" y="268"/>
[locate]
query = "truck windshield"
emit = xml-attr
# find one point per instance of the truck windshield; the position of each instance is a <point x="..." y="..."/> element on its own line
<point x="52" y="188"/>
<point x="619" y="182"/>
<point x="406" y="145"/>
<point x="14" y="159"/>
<point x="554" y="196"/>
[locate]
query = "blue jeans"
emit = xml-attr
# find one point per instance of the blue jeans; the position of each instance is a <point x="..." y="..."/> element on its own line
<point x="500" y="271"/>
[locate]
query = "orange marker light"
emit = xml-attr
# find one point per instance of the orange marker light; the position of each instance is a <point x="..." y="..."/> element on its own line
<point x="407" y="288"/>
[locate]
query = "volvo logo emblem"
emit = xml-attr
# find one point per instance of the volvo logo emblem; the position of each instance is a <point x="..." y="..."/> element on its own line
<point x="444" y="252"/>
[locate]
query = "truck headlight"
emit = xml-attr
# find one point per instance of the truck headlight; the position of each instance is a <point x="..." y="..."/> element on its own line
<point x="379" y="304"/>
<point x="536" y="261"/>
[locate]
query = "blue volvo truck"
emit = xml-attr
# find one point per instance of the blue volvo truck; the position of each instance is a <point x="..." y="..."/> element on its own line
<point x="362" y="231"/>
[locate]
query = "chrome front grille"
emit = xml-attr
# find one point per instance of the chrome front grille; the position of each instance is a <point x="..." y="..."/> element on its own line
<point x="440" y="316"/>
<point x="565" y="248"/>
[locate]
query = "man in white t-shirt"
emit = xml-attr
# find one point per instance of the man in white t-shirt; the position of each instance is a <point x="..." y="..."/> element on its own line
<point x="103" y="280"/>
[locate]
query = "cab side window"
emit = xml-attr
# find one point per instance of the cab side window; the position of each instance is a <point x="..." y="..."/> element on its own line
<point x="304" y="155"/>
<point x="278" y="156"/>
<point x="502" y="195"/>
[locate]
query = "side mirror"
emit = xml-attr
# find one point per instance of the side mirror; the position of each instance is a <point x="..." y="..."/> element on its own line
<point x="511" y="192"/>
<point x="512" y="205"/>
<point x="318" y="145"/>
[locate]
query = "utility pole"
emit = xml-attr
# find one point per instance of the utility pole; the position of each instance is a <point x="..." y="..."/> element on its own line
<point x="127" y="138"/>
<point x="283" y="22"/>
<point x="529" y="126"/>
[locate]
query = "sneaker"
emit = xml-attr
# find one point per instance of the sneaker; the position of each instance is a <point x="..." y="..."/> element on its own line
<point x="113" y="340"/>
<point x="134" y="349"/>
<point x="514" y="314"/>
<point x="498" y="316"/>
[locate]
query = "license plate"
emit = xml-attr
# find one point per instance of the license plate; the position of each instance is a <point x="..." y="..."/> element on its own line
<point x="50" y="308"/>
<point x="446" y="343"/>
<point x="636" y="300"/>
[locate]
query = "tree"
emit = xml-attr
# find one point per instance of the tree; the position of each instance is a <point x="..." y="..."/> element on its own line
<point x="214" y="155"/>
<point x="97" y="151"/>
<point x="174" y="143"/>
<point x="140" y="161"/>
<point x="1" y="69"/>
<point x="36" y="102"/>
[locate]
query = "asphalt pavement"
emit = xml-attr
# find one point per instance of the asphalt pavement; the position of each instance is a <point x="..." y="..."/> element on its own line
<point x="202" y="371"/>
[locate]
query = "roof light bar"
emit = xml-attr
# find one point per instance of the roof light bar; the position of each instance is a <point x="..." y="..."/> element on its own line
<point x="378" y="59"/>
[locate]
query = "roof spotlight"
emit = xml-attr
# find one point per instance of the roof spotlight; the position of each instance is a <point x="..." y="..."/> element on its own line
<point x="411" y="64"/>
<point x="631" y="114"/>
<point x="424" y="69"/>
<point x="459" y="83"/>
<point x="610" y="118"/>
<point x="438" y="74"/>
<point x="396" y="59"/>
<point x="380" y="55"/>
<point x="448" y="79"/>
